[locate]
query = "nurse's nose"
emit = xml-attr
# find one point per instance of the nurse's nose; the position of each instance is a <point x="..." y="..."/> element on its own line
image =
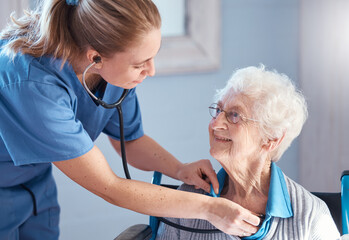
<point x="151" y="68"/>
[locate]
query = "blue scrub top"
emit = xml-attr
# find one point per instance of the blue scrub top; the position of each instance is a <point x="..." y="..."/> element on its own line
<point x="278" y="204"/>
<point x="47" y="116"/>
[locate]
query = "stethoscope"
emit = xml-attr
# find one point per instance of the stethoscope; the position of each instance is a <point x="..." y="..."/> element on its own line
<point x="117" y="105"/>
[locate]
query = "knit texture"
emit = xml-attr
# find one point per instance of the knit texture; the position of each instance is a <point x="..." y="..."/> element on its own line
<point x="311" y="220"/>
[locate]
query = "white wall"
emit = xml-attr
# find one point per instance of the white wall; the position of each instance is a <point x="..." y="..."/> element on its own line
<point x="175" y="109"/>
<point x="324" y="58"/>
<point x="11" y="6"/>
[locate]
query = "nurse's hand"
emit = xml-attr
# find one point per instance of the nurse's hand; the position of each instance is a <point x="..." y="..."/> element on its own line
<point x="232" y="218"/>
<point x="200" y="174"/>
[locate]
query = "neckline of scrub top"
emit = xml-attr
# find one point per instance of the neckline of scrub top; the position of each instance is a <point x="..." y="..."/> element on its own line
<point x="278" y="204"/>
<point x="102" y="88"/>
<point x="99" y="90"/>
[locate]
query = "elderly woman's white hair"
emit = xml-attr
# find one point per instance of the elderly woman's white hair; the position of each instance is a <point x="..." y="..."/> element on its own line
<point x="276" y="103"/>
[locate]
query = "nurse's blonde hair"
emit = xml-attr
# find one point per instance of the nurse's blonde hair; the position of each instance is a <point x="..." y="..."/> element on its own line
<point x="65" y="31"/>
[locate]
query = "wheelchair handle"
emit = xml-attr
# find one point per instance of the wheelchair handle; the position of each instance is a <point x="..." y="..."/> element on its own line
<point x="345" y="201"/>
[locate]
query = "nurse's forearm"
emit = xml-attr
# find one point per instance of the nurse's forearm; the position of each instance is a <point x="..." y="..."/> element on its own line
<point x="92" y="172"/>
<point x="146" y="154"/>
<point x="154" y="200"/>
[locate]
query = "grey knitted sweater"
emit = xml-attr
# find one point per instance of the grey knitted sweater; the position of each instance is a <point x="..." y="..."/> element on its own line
<point x="311" y="220"/>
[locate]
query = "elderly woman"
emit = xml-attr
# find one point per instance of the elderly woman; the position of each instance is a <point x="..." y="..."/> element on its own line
<point x="256" y="117"/>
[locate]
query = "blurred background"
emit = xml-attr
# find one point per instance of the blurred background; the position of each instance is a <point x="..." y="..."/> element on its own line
<point x="204" y="41"/>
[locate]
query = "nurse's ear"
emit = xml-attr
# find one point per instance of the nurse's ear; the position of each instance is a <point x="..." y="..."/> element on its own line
<point x="94" y="56"/>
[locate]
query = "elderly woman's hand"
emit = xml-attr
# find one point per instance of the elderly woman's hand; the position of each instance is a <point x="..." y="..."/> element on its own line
<point x="200" y="174"/>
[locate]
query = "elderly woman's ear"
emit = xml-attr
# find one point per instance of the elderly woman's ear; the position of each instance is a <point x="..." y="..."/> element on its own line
<point x="272" y="144"/>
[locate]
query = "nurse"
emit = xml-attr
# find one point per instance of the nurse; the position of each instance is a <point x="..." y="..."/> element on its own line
<point x="47" y="117"/>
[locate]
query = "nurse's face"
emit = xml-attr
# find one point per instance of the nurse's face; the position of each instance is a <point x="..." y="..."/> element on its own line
<point x="129" y="68"/>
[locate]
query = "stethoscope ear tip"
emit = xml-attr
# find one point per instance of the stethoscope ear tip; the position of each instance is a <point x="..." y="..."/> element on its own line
<point x="97" y="59"/>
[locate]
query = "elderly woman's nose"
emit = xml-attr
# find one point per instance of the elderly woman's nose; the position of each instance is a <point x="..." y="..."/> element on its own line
<point x="220" y="121"/>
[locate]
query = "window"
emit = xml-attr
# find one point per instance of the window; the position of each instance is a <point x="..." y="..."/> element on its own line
<point x="198" y="50"/>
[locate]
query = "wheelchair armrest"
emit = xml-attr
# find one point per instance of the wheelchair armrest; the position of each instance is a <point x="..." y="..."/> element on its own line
<point x="136" y="232"/>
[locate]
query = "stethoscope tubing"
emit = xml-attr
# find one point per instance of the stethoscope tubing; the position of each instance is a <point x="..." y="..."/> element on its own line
<point x="122" y="142"/>
<point x="117" y="105"/>
<point x="98" y="100"/>
<point x="188" y="229"/>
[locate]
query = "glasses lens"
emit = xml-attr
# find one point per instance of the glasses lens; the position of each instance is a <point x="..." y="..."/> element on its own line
<point x="234" y="117"/>
<point x="214" y="110"/>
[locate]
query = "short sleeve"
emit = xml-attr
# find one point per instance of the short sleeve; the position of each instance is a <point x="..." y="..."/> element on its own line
<point x="38" y="123"/>
<point x="132" y="119"/>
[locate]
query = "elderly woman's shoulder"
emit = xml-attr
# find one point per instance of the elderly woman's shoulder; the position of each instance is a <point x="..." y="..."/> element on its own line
<point x="301" y="196"/>
<point x="311" y="211"/>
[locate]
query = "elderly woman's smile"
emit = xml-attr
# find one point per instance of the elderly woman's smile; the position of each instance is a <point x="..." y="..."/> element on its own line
<point x="222" y="139"/>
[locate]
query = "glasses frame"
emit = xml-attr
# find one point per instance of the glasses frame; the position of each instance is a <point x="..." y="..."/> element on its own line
<point x="215" y="106"/>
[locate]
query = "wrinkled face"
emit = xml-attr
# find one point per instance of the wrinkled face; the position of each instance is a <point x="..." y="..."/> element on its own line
<point x="129" y="68"/>
<point x="234" y="144"/>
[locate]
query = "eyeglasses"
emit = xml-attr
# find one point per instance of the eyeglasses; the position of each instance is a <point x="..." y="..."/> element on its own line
<point x="232" y="117"/>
